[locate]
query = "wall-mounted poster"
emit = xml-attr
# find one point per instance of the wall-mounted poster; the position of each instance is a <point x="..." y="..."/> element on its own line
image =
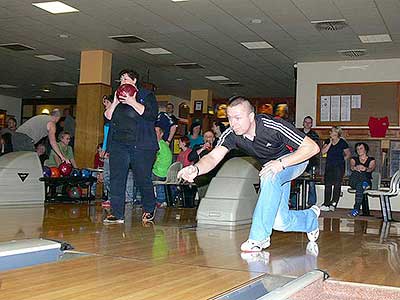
<point x="335" y="108"/>
<point x="345" y="108"/>
<point x="198" y="105"/>
<point x="325" y="108"/>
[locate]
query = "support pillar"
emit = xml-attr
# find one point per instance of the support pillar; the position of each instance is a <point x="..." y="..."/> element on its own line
<point x="94" y="82"/>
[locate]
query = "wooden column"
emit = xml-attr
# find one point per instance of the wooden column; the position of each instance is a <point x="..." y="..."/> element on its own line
<point x="94" y="82"/>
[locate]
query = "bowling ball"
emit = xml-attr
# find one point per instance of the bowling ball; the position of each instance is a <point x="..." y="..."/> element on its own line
<point x="46" y="172"/>
<point x="126" y="90"/>
<point x="74" y="192"/>
<point x="65" y="169"/>
<point x="55" y="172"/>
<point x="85" y="173"/>
<point x="75" y="173"/>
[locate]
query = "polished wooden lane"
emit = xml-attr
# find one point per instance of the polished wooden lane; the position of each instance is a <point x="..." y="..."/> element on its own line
<point x="176" y="260"/>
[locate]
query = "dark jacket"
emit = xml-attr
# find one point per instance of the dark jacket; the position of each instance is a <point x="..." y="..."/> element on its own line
<point x="141" y="133"/>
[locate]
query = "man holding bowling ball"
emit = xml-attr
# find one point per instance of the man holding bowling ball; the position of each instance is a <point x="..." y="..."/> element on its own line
<point x="132" y="142"/>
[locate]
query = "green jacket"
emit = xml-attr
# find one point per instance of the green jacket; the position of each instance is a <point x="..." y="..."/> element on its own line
<point x="163" y="160"/>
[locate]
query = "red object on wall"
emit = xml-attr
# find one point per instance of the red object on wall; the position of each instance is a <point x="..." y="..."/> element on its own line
<point x="378" y="126"/>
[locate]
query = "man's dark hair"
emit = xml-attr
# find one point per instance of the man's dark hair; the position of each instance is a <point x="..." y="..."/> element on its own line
<point x="236" y="100"/>
<point x="308" y="117"/>
<point x="366" y="147"/>
<point x="131" y="73"/>
<point x="14" y="119"/>
<point x="171" y="104"/>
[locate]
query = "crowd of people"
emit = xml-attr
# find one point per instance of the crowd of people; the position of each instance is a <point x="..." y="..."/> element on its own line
<point x="137" y="149"/>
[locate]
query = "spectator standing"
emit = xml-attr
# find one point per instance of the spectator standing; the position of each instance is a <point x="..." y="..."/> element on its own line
<point x="337" y="151"/>
<point x="313" y="162"/>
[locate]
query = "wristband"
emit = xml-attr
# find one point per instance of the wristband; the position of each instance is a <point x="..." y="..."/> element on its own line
<point x="283" y="166"/>
<point x="197" y="168"/>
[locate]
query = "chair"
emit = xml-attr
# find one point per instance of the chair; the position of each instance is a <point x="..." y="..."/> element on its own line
<point x="170" y="179"/>
<point x="375" y="185"/>
<point x="385" y="195"/>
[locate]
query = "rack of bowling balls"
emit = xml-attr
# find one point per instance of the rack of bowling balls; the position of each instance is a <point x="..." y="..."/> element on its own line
<point x="66" y="183"/>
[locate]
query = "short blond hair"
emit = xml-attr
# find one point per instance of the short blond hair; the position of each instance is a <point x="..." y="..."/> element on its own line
<point x="338" y="130"/>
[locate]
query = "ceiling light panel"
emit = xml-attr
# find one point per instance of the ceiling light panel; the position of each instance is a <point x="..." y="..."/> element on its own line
<point x="190" y="65"/>
<point x="257" y="45"/>
<point x="50" y="57"/>
<point x="217" y="78"/>
<point x="62" y="83"/>
<point x="127" y="39"/>
<point x="16" y="47"/>
<point x="7" y="86"/>
<point x="156" y="51"/>
<point x="375" y="38"/>
<point x="55" y="7"/>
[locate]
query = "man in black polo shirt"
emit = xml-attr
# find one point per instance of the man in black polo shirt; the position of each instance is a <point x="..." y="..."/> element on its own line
<point x="268" y="140"/>
<point x="313" y="161"/>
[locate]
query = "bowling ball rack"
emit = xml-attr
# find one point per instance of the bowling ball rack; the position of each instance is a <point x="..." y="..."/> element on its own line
<point x="56" y="188"/>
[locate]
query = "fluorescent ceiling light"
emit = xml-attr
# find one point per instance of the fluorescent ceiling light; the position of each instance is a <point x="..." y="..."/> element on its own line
<point x="7" y="86"/>
<point x="257" y="45"/>
<point x="375" y="38"/>
<point x="230" y="83"/>
<point x="179" y="0"/>
<point x="62" y="83"/>
<point x="156" y="51"/>
<point x="217" y="78"/>
<point x="50" y="57"/>
<point x="55" y="7"/>
<point x="46" y="90"/>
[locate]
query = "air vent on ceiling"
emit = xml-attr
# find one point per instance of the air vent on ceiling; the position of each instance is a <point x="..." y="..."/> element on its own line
<point x="231" y="84"/>
<point x="189" y="66"/>
<point x="16" y="47"/>
<point x="330" y="25"/>
<point x="127" y="39"/>
<point x="353" y="52"/>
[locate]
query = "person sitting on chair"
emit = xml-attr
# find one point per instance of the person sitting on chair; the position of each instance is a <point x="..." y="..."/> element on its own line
<point x="362" y="167"/>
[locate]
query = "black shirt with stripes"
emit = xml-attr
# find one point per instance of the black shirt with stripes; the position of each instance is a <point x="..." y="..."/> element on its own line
<point x="274" y="138"/>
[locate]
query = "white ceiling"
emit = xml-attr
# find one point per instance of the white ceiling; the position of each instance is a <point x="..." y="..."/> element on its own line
<point x="208" y="32"/>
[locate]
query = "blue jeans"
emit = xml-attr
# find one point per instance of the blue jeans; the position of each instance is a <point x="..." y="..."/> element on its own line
<point x="272" y="209"/>
<point x="160" y="189"/>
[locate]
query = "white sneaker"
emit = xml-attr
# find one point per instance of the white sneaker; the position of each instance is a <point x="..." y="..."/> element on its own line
<point x="255" y="246"/>
<point x="312" y="249"/>
<point x="252" y="257"/>
<point x="324" y="208"/>
<point x="331" y="208"/>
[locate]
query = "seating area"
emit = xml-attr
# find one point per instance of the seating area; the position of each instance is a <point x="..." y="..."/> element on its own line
<point x="385" y="194"/>
<point x="178" y="193"/>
